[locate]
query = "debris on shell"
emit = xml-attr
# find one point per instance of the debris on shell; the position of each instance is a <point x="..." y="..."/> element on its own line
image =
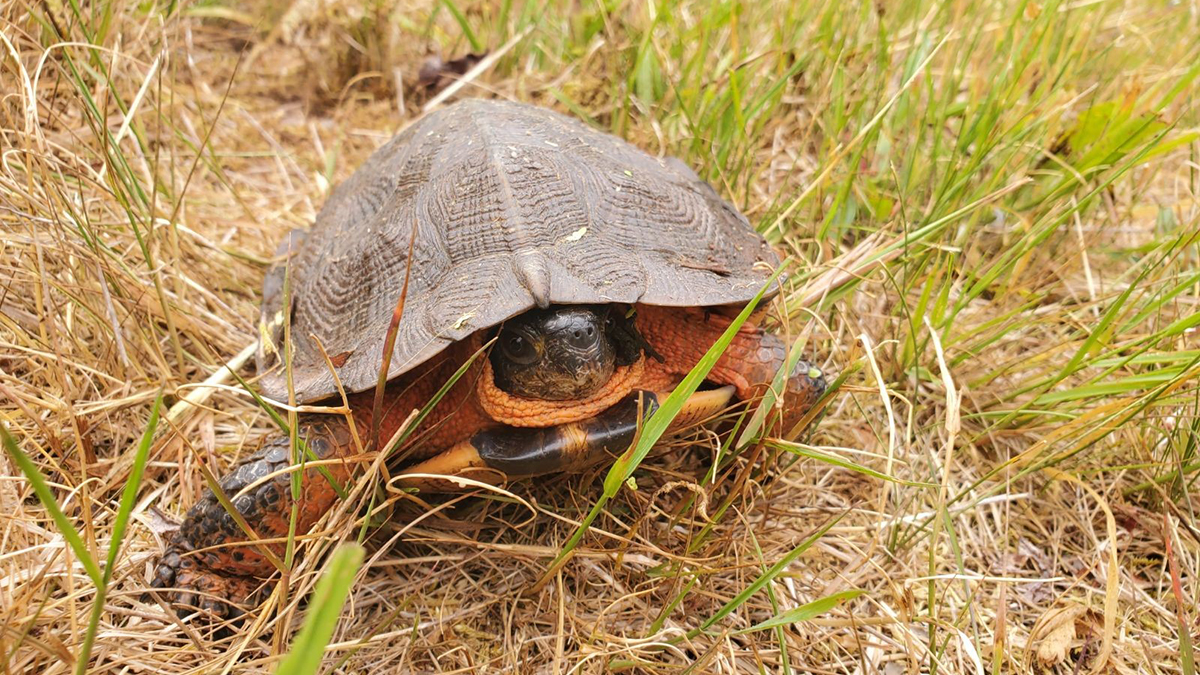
<point x="576" y="235"/>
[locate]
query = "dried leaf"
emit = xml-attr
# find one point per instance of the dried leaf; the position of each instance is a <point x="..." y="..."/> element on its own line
<point x="159" y="522"/>
<point x="1055" y="632"/>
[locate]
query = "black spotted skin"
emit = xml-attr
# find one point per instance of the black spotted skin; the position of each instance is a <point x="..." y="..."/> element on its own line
<point x="209" y="555"/>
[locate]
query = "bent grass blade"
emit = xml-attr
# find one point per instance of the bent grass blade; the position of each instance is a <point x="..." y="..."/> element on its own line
<point x="805" y="612"/>
<point x="763" y="580"/>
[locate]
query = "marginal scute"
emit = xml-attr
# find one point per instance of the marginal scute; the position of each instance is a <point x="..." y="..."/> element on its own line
<point x="512" y="207"/>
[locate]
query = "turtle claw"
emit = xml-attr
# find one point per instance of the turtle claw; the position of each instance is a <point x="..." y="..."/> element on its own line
<point x="214" y="597"/>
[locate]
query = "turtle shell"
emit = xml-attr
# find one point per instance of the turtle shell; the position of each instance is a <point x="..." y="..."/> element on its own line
<point x="504" y="207"/>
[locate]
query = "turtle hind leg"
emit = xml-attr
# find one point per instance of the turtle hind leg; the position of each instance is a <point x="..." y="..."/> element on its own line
<point x="211" y="563"/>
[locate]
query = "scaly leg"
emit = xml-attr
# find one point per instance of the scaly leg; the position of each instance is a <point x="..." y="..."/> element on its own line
<point x="210" y="562"/>
<point x="682" y="335"/>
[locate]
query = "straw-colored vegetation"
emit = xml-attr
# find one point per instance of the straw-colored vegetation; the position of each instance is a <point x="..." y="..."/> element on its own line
<point x="992" y="208"/>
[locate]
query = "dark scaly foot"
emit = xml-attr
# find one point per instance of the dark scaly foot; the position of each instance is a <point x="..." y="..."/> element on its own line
<point x="200" y="588"/>
<point x="208" y="564"/>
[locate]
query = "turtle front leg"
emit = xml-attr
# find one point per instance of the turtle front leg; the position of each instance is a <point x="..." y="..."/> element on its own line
<point x="683" y="335"/>
<point x="210" y="564"/>
<point x="521" y="452"/>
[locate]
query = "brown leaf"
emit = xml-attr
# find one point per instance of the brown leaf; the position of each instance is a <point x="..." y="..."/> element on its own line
<point x="1055" y="632"/>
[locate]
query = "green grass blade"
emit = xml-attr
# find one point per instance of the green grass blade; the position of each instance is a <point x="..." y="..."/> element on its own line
<point x="308" y="649"/>
<point x="129" y="495"/>
<point x="834" y="460"/>
<point x="805" y="612"/>
<point x="1187" y="656"/>
<point x="461" y="19"/>
<point x="767" y="404"/>
<point x="657" y="424"/>
<point x="765" y="579"/>
<point x="71" y="535"/>
<point x="46" y="497"/>
<point x="124" y="510"/>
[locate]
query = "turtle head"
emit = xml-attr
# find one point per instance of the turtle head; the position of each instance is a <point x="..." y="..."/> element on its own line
<point x="561" y="353"/>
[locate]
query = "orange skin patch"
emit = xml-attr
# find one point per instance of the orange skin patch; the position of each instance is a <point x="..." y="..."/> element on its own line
<point x="454" y="418"/>
<point x="517" y="411"/>
<point x="680" y="335"/>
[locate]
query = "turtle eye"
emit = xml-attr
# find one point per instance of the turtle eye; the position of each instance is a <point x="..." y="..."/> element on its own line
<point x="518" y="349"/>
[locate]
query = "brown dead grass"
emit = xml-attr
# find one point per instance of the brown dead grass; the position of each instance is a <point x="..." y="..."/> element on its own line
<point x="90" y="332"/>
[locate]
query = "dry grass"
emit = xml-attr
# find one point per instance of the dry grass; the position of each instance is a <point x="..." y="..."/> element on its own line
<point x="1023" y="369"/>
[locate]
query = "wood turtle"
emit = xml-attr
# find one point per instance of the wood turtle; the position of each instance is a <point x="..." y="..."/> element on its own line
<point x="597" y="275"/>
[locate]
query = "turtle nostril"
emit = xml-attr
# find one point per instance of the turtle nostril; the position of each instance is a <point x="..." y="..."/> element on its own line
<point x="580" y="336"/>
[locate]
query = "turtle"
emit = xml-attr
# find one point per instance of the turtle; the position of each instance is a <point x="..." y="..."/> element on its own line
<point x="567" y="277"/>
